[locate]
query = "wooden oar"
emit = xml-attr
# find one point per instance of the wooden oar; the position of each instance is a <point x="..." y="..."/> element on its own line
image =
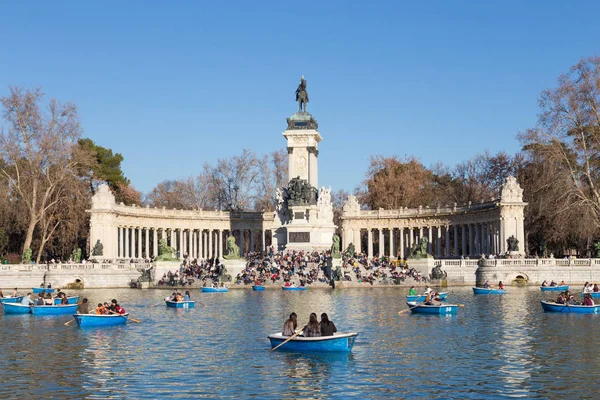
<point x="133" y="319"/>
<point x="157" y="304"/>
<point x="68" y="322"/>
<point x="408" y="309"/>
<point x="288" y="339"/>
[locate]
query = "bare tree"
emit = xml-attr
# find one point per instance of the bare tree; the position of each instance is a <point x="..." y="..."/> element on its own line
<point x="272" y="174"/>
<point x="36" y="147"/>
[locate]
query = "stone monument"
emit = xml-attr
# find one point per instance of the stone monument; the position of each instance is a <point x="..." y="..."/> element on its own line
<point x="305" y="213"/>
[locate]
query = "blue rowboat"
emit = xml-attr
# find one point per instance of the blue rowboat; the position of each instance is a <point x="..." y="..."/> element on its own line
<point x="72" y="300"/>
<point x="85" y="320"/>
<point x="41" y="289"/>
<point x="258" y="287"/>
<point x="181" y="304"/>
<point x="550" y="306"/>
<point x="422" y="297"/>
<point x="214" y="289"/>
<point x="5" y="300"/>
<point x="554" y="288"/>
<point x="16" y="308"/>
<point x="595" y="295"/>
<point x="54" y="310"/>
<point x="337" y="342"/>
<point x="478" y="290"/>
<point x="443" y="309"/>
<point x="293" y="287"/>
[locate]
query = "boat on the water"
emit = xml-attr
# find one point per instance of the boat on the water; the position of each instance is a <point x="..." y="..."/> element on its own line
<point x="561" y="288"/>
<point x="595" y="295"/>
<point x="214" y="289"/>
<point x="422" y="297"/>
<point x="550" y="306"/>
<point x="258" y="287"/>
<point x="16" y="308"/>
<point x="72" y="300"/>
<point x="337" y="342"/>
<point x="85" y="320"/>
<point x="442" y="309"/>
<point x="10" y="299"/>
<point x="54" y="310"/>
<point x="181" y="304"/>
<point x="478" y="290"/>
<point x="293" y="287"/>
<point x="42" y="290"/>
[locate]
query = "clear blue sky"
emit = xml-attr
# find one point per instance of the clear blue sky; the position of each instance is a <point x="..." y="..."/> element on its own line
<point x="174" y="84"/>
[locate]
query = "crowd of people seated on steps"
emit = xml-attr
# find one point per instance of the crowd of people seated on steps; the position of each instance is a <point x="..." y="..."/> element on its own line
<point x="192" y="270"/>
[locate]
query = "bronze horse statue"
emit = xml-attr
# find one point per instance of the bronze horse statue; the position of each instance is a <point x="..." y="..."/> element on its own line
<point x="302" y="95"/>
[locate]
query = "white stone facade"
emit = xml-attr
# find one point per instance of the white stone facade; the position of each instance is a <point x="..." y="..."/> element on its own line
<point x="467" y="231"/>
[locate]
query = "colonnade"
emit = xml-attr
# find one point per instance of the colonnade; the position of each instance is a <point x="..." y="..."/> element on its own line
<point x="453" y="240"/>
<point x="142" y="242"/>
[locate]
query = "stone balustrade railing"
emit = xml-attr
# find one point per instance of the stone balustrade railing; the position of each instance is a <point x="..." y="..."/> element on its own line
<point x="520" y="262"/>
<point x="192" y="214"/>
<point x="426" y="211"/>
<point x="75" y="267"/>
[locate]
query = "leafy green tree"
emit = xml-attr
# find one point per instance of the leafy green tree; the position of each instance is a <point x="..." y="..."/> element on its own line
<point x="106" y="169"/>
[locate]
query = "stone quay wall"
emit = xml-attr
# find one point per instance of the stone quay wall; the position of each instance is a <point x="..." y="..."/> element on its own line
<point x="92" y="275"/>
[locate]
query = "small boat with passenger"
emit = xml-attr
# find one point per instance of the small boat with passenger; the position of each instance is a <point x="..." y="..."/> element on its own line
<point x="72" y="300"/>
<point x="441" y="309"/>
<point x="258" y="287"/>
<point x="594" y="295"/>
<point x="209" y="289"/>
<point x="551" y="306"/>
<point x="181" y="304"/>
<point x="481" y="290"/>
<point x="341" y="342"/>
<point x="16" y="308"/>
<point x="42" y="290"/>
<point x="89" y="320"/>
<point x="60" y="309"/>
<point x="10" y="299"/>
<point x="557" y="288"/>
<point x="421" y="297"/>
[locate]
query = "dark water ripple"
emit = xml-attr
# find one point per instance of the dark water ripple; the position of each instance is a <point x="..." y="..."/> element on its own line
<point x="495" y="347"/>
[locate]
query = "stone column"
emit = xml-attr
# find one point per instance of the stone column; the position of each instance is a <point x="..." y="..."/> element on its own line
<point x="438" y="243"/>
<point x="220" y="244"/>
<point x="147" y="242"/>
<point x="127" y="254"/>
<point x="392" y="242"/>
<point x="180" y="244"/>
<point x="252" y="233"/>
<point x="139" y="242"/>
<point x="370" y="243"/>
<point x="455" y="240"/>
<point x="411" y="237"/>
<point x="154" y="242"/>
<point x="356" y="241"/>
<point x="209" y="252"/>
<point x="420" y="233"/>
<point x="463" y="239"/>
<point x="381" y="243"/>
<point x="478" y="239"/>
<point x="430" y="237"/>
<point x="119" y="241"/>
<point x="262" y="244"/>
<point x="471" y="252"/>
<point x="401" y="242"/>
<point x="241" y="242"/>
<point x="447" y="240"/>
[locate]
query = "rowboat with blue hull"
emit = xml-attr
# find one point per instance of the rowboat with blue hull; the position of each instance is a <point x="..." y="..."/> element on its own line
<point x="181" y="304"/>
<point x="54" y="310"/>
<point x="561" y="288"/>
<point x="41" y="289"/>
<point x="17" y="299"/>
<point x="339" y="342"/>
<point x="550" y="306"/>
<point x="477" y="290"/>
<point x="422" y="297"/>
<point x="16" y="308"/>
<point x="443" y="309"/>
<point x="214" y="289"/>
<point x="293" y="287"/>
<point x="72" y="300"/>
<point x="94" y="320"/>
<point x="595" y="295"/>
<point x="258" y="287"/>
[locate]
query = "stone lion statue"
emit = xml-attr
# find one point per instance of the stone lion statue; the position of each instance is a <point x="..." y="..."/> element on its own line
<point x="233" y="251"/>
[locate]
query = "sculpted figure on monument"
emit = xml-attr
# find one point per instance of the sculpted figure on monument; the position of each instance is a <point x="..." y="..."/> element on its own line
<point x="302" y="95"/>
<point x="233" y="251"/>
<point x="419" y="249"/>
<point x="98" y="249"/>
<point x="335" y="247"/>
<point x="513" y="243"/>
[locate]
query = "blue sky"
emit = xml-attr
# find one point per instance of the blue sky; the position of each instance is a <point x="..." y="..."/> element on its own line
<point x="172" y="85"/>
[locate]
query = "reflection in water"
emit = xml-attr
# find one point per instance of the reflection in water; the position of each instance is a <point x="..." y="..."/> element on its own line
<point x="495" y="346"/>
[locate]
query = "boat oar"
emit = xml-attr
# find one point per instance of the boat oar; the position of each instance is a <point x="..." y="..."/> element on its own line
<point x="288" y="339"/>
<point x="68" y="322"/>
<point x="133" y="319"/>
<point x="408" y="309"/>
<point x="157" y="304"/>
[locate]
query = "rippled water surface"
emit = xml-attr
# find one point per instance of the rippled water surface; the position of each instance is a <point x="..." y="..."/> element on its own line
<point x="496" y="346"/>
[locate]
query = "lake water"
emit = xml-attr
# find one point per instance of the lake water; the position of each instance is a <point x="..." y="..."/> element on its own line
<point x="495" y="347"/>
